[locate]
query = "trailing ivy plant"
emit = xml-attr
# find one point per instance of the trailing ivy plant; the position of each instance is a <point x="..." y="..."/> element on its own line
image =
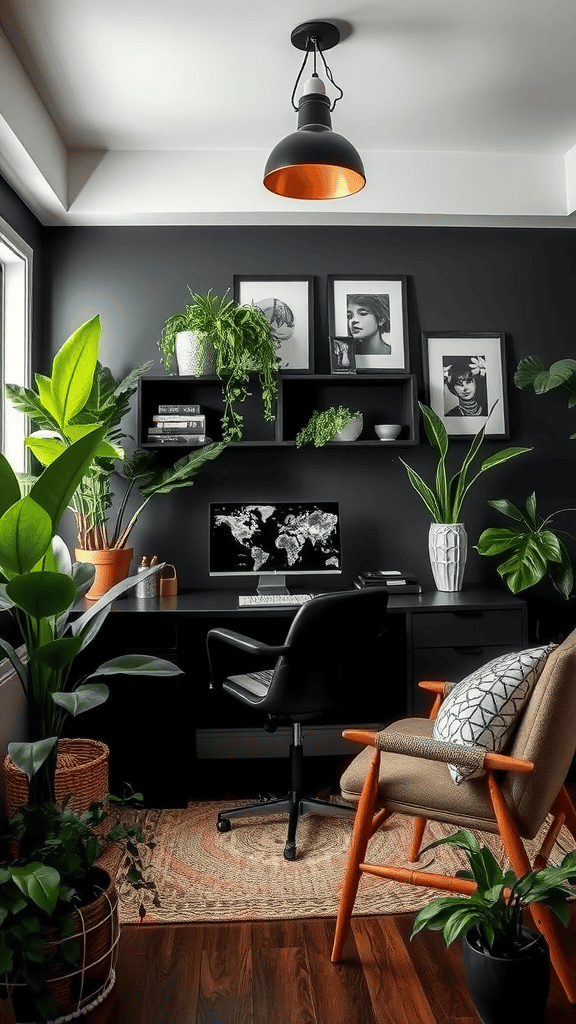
<point x="533" y="549"/>
<point x="445" y="498"/>
<point x="242" y="343"/>
<point x="323" y="426"/>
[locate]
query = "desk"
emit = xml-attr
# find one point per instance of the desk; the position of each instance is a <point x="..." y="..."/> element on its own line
<point x="431" y="635"/>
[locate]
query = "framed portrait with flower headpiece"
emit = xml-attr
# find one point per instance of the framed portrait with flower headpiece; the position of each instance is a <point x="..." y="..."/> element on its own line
<point x="466" y="382"/>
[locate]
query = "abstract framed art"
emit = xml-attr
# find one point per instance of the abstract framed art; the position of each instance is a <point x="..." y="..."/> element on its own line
<point x="371" y="309"/>
<point x="288" y="304"/>
<point x="465" y="376"/>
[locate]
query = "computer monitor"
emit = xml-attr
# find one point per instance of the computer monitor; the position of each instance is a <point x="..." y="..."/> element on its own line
<point x="272" y="540"/>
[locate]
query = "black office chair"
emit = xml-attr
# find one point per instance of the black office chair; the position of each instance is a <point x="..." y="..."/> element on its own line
<point x="330" y="651"/>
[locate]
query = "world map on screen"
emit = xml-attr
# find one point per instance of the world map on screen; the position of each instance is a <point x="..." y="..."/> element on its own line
<point x="266" y="538"/>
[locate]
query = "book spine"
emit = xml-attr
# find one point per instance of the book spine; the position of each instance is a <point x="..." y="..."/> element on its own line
<point x="196" y="440"/>
<point x="179" y="423"/>
<point x="178" y="410"/>
<point x="175" y="428"/>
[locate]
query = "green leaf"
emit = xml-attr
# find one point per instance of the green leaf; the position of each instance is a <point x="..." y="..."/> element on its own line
<point x="56" y="485"/>
<point x="137" y="665"/>
<point x="435" y="430"/>
<point x="503" y="456"/>
<point x="83" y="698"/>
<point x="507" y="508"/>
<point x="29" y="757"/>
<point x="25" y="533"/>
<point x="42" y="594"/>
<point x="497" y="539"/>
<point x="73" y="371"/>
<point x="562" y="573"/>
<point x="425" y="492"/>
<point x="29" y="403"/>
<point x="39" y="883"/>
<point x="180" y="474"/>
<point x="15" y="661"/>
<point x="44" y="387"/>
<point x="6" y="955"/>
<point x="45" y="448"/>
<point x="58" y="653"/>
<point x="9" y="486"/>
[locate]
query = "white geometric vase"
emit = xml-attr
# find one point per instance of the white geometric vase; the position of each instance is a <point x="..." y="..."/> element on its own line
<point x="193" y="360"/>
<point x="448" y="547"/>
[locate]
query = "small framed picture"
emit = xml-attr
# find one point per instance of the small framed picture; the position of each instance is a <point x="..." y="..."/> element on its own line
<point x="342" y="356"/>
<point x="371" y="310"/>
<point x="288" y="303"/>
<point x="466" y="382"/>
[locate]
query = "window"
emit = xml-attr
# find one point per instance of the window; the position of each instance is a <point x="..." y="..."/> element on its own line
<point x="15" y="339"/>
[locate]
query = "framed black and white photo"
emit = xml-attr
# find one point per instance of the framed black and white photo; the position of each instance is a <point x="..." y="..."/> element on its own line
<point x="466" y="378"/>
<point x="288" y="303"/>
<point x="371" y="310"/>
<point x="342" y="356"/>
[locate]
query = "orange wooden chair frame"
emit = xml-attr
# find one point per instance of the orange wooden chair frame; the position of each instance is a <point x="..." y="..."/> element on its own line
<point x="368" y="820"/>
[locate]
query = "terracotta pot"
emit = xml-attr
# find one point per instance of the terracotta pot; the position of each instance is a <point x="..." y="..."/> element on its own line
<point x="79" y="987"/>
<point x="112" y="566"/>
<point x="81" y="769"/>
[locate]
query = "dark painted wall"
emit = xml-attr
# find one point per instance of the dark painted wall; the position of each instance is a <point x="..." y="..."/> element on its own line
<point x="20" y="218"/>
<point x="520" y="281"/>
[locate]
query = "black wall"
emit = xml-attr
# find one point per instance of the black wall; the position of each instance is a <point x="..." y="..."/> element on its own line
<point x="519" y="281"/>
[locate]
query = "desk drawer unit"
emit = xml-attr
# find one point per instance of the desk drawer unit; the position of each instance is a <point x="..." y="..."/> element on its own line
<point x="451" y="644"/>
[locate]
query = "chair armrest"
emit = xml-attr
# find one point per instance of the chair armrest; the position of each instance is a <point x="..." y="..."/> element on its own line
<point x="244" y="643"/>
<point x="438" y="750"/>
<point x="440" y="688"/>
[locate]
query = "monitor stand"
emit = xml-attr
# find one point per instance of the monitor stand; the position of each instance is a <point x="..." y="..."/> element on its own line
<point x="272" y="583"/>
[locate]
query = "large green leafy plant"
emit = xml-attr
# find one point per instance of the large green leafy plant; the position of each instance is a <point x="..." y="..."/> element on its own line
<point x="495" y="908"/>
<point x="323" y="426"/>
<point x="79" y="395"/>
<point x="445" y="498"/>
<point x="242" y="343"/>
<point x="533" y="550"/>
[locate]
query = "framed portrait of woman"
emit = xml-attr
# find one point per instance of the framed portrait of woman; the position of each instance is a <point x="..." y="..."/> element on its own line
<point x="288" y="304"/>
<point x="466" y="382"/>
<point x="371" y="310"/>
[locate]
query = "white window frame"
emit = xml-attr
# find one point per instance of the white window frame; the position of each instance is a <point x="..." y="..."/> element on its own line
<point x="16" y="339"/>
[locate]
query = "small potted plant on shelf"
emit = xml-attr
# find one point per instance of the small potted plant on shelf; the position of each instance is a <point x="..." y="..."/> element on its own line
<point x="506" y="964"/>
<point x="334" y="424"/>
<point x="80" y="395"/>
<point x="240" y="343"/>
<point x="447" y="541"/>
<point x="59" y="905"/>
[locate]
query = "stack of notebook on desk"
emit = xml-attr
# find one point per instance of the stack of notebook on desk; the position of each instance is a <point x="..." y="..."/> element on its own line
<point x="394" y="581"/>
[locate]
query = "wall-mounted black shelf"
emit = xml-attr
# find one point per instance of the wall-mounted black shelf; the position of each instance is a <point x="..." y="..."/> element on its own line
<point x="380" y="398"/>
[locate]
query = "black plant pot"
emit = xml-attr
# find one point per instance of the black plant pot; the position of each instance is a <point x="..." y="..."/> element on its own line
<point x="506" y="990"/>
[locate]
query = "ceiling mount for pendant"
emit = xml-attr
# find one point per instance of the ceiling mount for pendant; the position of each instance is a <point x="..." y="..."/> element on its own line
<point x="314" y="162"/>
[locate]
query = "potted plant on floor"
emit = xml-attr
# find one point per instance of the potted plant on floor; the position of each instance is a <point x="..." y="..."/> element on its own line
<point x="39" y="586"/>
<point x="79" y="395"/>
<point x="240" y="342"/>
<point x="59" y="907"/>
<point x="506" y="964"/>
<point x="334" y="424"/>
<point x="447" y="540"/>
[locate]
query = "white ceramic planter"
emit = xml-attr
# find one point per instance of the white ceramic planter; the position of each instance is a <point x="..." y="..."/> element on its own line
<point x="448" y="547"/>
<point x="191" y="360"/>
<point x="352" y="431"/>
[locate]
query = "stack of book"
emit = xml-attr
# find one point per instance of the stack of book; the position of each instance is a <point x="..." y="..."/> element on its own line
<point x="394" y="581"/>
<point x="178" y="424"/>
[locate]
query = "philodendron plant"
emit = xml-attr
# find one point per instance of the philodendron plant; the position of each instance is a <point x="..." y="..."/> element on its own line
<point x="39" y="585"/>
<point x="533" y="550"/>
<point x="495" y="909"/>
<point x="444" y="500"/>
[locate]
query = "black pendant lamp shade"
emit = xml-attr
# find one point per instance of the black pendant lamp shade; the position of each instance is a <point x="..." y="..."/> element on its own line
<point x="314" y="162"/>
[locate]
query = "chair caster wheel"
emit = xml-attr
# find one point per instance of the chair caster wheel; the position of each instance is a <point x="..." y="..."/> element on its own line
<point x="290" y="851"/>
<point x="224" y="825"/>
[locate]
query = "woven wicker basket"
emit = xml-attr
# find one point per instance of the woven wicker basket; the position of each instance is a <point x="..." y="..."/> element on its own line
<point x="80" y="988"/>
<point x="81" y="770"/>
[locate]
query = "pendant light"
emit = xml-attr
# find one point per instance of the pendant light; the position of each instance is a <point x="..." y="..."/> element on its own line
<point x="314" y="162"/>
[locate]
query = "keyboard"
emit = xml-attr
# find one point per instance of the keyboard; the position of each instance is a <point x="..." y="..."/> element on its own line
<point x="272" y="600"/>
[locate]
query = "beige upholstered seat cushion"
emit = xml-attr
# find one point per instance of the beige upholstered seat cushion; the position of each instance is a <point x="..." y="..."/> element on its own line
<point x="414" y="786"/>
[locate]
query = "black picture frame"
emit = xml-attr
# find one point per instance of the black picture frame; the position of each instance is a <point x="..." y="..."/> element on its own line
<point x="479" y="356"/>
<point x="288" y="302"/>
<point x="387" y="350"/>
<point x="342" y="356"/>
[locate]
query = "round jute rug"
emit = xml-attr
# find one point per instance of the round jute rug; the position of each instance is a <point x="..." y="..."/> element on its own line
<point x="241" y="875"/>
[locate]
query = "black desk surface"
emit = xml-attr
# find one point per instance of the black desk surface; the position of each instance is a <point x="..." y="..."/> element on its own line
<point x="225" y="602"/>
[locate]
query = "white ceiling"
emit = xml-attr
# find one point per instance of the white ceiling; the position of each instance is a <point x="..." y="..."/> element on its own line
<point x="136" y="111"/>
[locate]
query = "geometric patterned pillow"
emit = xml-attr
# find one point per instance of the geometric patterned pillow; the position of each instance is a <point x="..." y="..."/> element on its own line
<point x="481" y="710"/>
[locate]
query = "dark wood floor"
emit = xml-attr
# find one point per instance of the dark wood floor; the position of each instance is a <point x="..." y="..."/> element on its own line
<point x="280" y="973"/>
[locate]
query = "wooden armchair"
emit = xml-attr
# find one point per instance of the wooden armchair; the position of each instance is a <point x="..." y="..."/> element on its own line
<point x="403" y="769"/>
